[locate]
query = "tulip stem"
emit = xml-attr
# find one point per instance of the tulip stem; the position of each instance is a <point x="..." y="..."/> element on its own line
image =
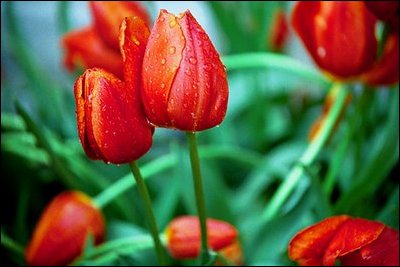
<point x="198" y="188"/>
<point x="149" y="212"/>
<point x="298" y="170"/>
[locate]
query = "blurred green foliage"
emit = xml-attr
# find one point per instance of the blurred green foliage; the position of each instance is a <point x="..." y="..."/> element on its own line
<point x="243" y="161"/>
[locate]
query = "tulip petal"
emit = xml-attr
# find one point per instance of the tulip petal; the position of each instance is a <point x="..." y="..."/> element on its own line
<point x="114" y="127"/>
<point x="183" y="236"/>
<point x="108" y="16"/>
<point x="340" y="35"/>
<point x="199" y="95"/>
<point x="61" y="232"/>
<point x="84" y="48"/>
<point x="162" y="59"/>
<point x="384" y="251"/>
<point x="386" y="70"/>
<point x="308" y="246"/>
<point x="351" y="236"/>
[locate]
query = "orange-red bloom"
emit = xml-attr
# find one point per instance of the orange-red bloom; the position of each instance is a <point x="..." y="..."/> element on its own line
<point x="97" y="45"/>
<point x="60" y="234"/>
<point x="353" y="241"/>
<point x="340" y="35"/>
<point x="279" y="31"/>
<point x="111" y="122"/>
<point x="183" y="238"/>
<point x="184" y="81"/>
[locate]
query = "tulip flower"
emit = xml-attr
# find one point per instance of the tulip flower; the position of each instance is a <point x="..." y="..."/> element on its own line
<point x="183" y="238"/>
<point x="279" y="32"/>
<point x="98" y="45"/>
<point x="339" y="35"/>
<point x="85" y="49"/>
<point x="184" y="81"/>
<point x="109" y="14"/>
<point x="352" y="241"/>
<point x="111" y="123"/>
<point x="63" y="228"/>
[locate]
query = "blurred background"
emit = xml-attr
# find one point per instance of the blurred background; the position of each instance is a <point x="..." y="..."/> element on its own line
<point x="265" y="131"/>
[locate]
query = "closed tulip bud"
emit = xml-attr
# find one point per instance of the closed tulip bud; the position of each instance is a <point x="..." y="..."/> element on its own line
<point x="183" y="237"/>
<point x="233" y="253"/>
<point x="184" y="81"/>
<point x="352" y="241"/>
<point x="386" y="70"/>
<point x="339" y="35"/>
<point x="63" y="228"/>
<point x="111" y="122"/>
<point x="108" y="16"/>
<point x="85" y="49"/>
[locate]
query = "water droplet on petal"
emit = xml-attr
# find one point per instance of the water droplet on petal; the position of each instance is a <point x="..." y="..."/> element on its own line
<point x="163" y="85"/>
<point x="192" y="60"/>
<point x="163" y="61"/>
<point x="172" y="23"/>
<point x="172" y="50"/>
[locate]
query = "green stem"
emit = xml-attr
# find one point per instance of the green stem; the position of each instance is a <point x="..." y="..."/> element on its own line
<point x="274" y="61"/>
<point x="149" y="212"/>
<point x="119" y="246"/>
<point x="198" y="188"/>
<point x="297" y="172"/>
<point x="12" y="245"/>
<point x="163" y="163"/>
<point x="384" y="36"/>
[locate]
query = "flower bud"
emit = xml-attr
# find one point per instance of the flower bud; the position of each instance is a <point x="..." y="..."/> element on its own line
<point x="108" y="16"/>
<point x="111" y="125"/>
<point x="111" y="122"/>
<point x="339" y="35"/>
<point x="184" y="81"/>
<point x="63" y="228"/>
<point x="184" y="238"/>
<point x="85" y="49"/>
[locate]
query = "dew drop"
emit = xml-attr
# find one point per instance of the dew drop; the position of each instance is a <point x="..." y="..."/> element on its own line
<point x="108" y="162"/>
<point x="192" y="60"/>
<point x="135" y="40"/>
<point x="163" y="61"/>
<point x="172" y="23"/>
<point x="157" y="35"/>
<point x="321" y="51"/>
<point x="172" y="50"/>
<point x="163" y="85"/>
<point x="188" y="72"/>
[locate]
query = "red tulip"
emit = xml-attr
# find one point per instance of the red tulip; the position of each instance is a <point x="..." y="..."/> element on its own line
<point x="353" y="241"/>
<point x="60" y="235"/>
<point x="386" y="70"/>
<point x="97" y="45"/>
<point x="340" y="35"/>
<point x="111" y="122"/>
<point x="184" y="81"/>
<point x="108" y="16"/>
<point x="85" y="50"/>
<point x="279" y="31"/>
<point x="183" y="237"/>
<point x="233" y="253"/>
<point x="384" y="10"/>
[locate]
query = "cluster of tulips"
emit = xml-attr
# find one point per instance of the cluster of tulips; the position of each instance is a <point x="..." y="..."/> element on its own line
<point x="171" y="76"/>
